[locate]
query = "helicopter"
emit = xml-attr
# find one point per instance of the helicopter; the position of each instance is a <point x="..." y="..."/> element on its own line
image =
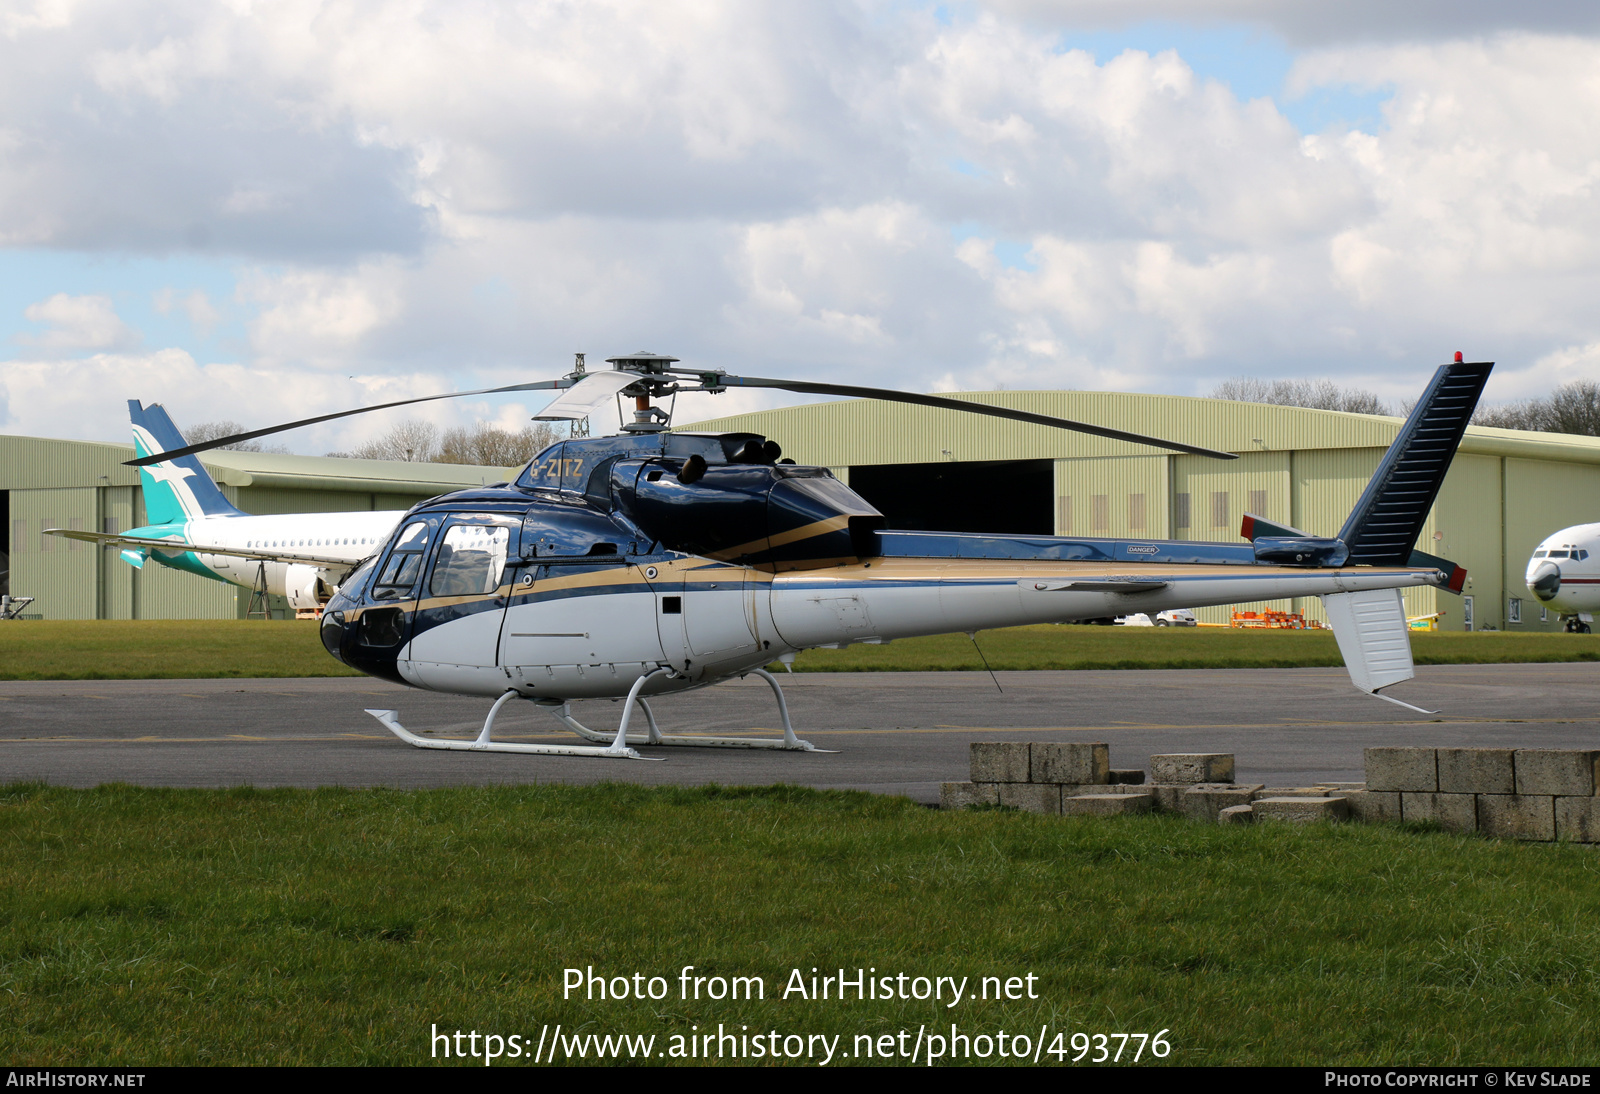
<point x="656" y="561"/>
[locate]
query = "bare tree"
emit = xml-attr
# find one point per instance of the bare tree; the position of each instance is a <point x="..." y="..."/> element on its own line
<point x="210" y="431"/>
<point x="411" y="441"/>
<point x="1314" y="394"/>
<point x="486" y="446"/>
<point x="1575" y="408"/>
<point x="1571" y="408"/>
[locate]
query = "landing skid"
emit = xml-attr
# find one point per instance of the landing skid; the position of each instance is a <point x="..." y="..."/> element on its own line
<point x="618" y="748"/>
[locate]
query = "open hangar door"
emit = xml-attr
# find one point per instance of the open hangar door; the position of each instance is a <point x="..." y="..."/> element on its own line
<point x="1006" y="496"/>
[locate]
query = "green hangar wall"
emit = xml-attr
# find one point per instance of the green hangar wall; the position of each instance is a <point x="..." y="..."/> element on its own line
<point x="84" y="486"/>
<point x="1505" y="492"/>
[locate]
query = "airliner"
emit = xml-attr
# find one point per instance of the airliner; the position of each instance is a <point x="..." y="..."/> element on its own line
<point x="193" y="527"/>
<point x="1564" y="574"/>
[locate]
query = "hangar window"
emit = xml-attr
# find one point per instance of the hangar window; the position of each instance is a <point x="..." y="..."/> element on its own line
<point x="1180" y="510"/>
<point x="1219" y="509"/>
<point x="1064" y="516"/>
<point x="1102" y="512"/>
<point x="1258" y="502"/>
<point x="1136" y="512"/>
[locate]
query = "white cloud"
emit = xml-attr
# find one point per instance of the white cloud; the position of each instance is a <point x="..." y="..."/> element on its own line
<point x="459" y="196"/>
<point x="78" y="323"/>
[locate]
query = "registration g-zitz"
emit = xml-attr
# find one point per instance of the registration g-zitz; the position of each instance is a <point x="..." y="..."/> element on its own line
<point x="655" y="561"/>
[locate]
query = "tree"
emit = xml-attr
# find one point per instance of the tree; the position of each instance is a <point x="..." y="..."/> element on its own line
<point x="210" y="431"/>
<point x="1572" y="408"/>
<point x="481" y="445"/>
<point x="486" y="446"/>
<point x="1314" y="394"/>
<point x="411" y="441"/>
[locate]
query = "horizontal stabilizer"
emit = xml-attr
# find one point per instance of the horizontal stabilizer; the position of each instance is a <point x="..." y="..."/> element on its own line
<point x="1456" y="578"/>
<point x="1371" y="630"/>
<point x="1254" y="527"/>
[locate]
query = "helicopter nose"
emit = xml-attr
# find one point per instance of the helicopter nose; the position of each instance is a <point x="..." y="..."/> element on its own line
<point x="1545" y="580"/>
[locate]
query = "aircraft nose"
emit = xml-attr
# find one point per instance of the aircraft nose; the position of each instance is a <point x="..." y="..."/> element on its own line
<point x="1545" y="580"/>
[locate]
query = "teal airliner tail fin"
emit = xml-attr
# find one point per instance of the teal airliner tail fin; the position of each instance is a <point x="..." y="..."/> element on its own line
<point x="174" y="490"/>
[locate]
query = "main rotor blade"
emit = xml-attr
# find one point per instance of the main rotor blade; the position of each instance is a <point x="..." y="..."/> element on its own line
<point x="540" y="385"/>
<point x="807" y="388"/>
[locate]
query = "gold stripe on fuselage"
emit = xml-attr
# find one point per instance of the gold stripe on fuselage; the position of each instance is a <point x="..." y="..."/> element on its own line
<point x="793" y="535"/>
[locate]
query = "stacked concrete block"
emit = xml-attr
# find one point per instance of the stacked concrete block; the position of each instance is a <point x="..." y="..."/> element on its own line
<point x="1506" y="793"/>
<point x="1105" y="805"/>
<point x="1206" y="801"/>
<point x="1300" y="810"/>
<point x="1038" y="777"/>
<point x="1192" y="767"/>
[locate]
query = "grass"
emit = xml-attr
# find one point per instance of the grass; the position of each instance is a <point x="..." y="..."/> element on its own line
<point x="190" y="649"/>
<point x="1089" y="647"/>
<point x="146" y="927"/>
<point x="163" y="649"/>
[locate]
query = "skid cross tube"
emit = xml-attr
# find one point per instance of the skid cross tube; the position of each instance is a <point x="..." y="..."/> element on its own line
<point x="788" y="742"/>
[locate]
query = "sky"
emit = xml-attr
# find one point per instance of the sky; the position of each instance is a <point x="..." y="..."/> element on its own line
<point x="259" y="212"/>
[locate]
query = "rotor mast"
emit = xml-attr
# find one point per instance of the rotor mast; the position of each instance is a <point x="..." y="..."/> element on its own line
<point x="657" y="382"/>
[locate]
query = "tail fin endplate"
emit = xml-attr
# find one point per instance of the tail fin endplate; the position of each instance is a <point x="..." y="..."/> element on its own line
<point x="174" y="490"/>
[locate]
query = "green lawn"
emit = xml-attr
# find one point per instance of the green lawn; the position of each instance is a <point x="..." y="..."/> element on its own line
<point x="118" y="649"/>
<point x="145" y="927"/>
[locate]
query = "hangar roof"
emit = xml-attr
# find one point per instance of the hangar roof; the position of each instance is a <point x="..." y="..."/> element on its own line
<point x="43" y="463"/>
<point x="869" y="431"/>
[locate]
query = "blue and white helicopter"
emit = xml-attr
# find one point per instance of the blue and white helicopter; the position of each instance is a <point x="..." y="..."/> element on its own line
<point x="654" y="562"/>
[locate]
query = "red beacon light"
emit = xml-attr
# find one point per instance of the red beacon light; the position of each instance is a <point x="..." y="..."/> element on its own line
<point x="1458" y="357"/>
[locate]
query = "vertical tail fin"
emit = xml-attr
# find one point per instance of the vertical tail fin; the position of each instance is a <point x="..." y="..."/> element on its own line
<point x="1382" y="529"/>
<point x="174" y="490"/>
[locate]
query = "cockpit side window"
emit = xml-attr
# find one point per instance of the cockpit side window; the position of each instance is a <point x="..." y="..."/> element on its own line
<point x="397" y="580"/>
<point x="471" y="558"/>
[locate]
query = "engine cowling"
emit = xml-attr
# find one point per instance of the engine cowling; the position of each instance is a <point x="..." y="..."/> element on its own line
<point x="785" y="516"/>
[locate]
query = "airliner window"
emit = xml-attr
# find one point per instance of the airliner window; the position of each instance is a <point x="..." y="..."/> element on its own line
<point x="471" y="560"/>
<point x="404" y="565"/>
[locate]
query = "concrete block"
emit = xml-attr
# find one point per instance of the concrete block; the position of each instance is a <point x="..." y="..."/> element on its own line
<point x="1301" y="810"/>
<point x="1032" y="797"/>
<point x="1070" y="762"/>
<point x="1105" y="805"/>
<point x="1452" y="812"/>
<point x="1517" y="816"/>
<point x="1076" y="789"/>
<point x="1168" y="797"/>
<point x="1237" y="814"/>
<point x="1203" y="801"/>
<point x="1295" y="791"/>
<point x="1402" y="769"/>
<point x="961" y="795"/>
<point x="1192" y="767"/>
<point x="999" y="761"/>
<point x="1345" y="786"/>
<point x="1565" y="771"/>
<point x="1127" y="778"/>
<point x="1578" y="819"/>
<point x="1476" y="771"/>
<point x="1371" y="806"/>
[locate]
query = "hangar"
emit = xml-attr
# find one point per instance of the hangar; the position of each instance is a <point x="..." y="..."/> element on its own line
<point x="84" y="486"/>
<point x="922" y="468"/>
